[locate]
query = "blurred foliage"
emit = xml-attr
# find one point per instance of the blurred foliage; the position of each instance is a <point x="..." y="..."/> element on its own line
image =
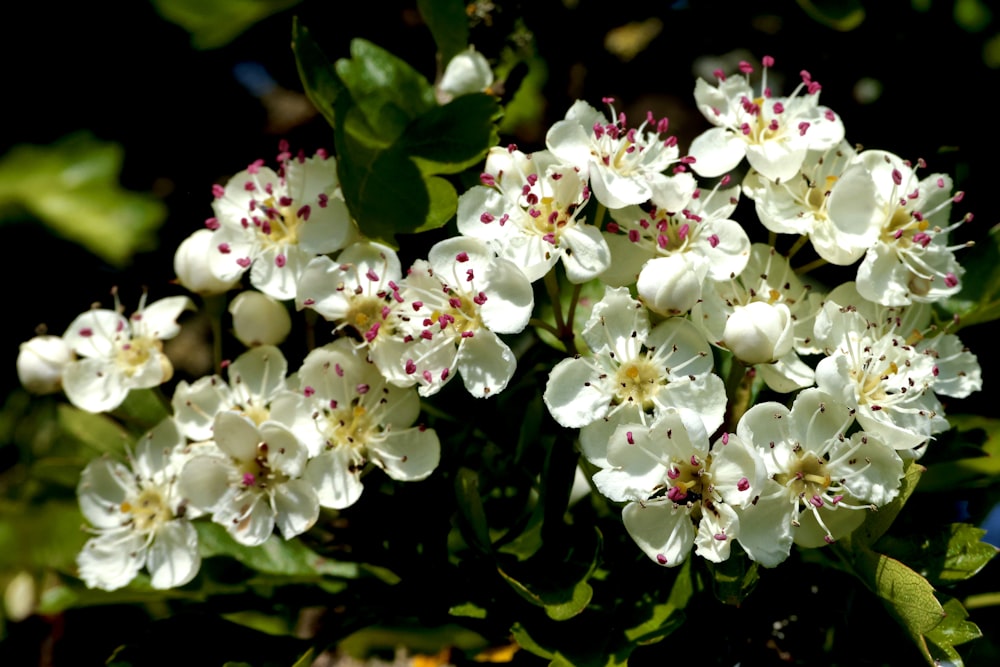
<point x="215" y="23"/>
<point x="72" y="187"/>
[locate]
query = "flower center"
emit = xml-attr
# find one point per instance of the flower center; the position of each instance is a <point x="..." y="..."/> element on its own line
<point x="350" y="427"/>
<point x="148" y="511"/>
<point x="807" y="478"/>
<point x="688" y="481"/>
<point x="133" y="354"/>
<point x="257" y="472"/>
<point x="638" y="382"/>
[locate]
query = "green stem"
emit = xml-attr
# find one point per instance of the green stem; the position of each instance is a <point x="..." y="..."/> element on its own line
<point x="801" y="241"/>
<point x="738" y="384"/>
<point x="215" y="307"/>
<point x="599" y="215"/>
<point x="542" y="324"/>
<point x="806" y="268"/>
<point x="552" y="288"/>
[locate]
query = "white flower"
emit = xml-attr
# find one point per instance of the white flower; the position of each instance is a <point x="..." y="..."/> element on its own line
<point x="347" y="415"/>
<point x="819" y="476"/>
<point x="670" y="255"/>
<point x="911" y="259"/>
<point x="467" y="72"/>
<point x="258" y="319"/>
<point x="833" y="202"/>
<point x="191" y="264"/>
<point x="118" y="353"/>
<point x="40" y="363"/>
<point x="763" y="317"/>
<point x="625" y="166"/>
<point x="256" y="380"/>
<point x="682" y="493"/>
<point x="254" y="483"/>
<point x="528" y="211"/>
<point x="138" y="518"/>
<point x="458" y="301"/>
<point x="773" y="133"/>
<point x="634" y="374"/>
<point x="275" y="222"/>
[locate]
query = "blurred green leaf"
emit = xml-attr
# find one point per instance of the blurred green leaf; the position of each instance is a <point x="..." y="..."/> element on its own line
<point x="142" y="409"/>
<point x="215" y="23"/>
<point x="40" y="536"/>
<point x="954" y="554"/>
<point x="972" y="15"/>
<point x="840" y="15"/>
<point x="969" y="472"/>
<point x="978" y="300"/>
<point x="319" y="79"/>
<point x="448" y="23"/>
<point x="96" y="431"/>
<point x="472" y="517"/>
<point x="276" y="556"/>
<point x="72" y="187"/>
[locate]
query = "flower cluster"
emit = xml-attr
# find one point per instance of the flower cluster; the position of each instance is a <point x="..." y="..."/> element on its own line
<point x="686" y="299"/>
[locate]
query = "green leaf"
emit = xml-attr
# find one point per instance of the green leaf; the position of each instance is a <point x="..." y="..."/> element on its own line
<point x="840" y="15"/>
<point x="472" y="517"/>
<point x="450" y="138"/>
<point x="40" y="536"/>
<point x="215" y="23"/>
<point x="978" y="471"/>
<point x="276" y="556"/>
<point x="876" y="523"/>
<point x="664" y="617"/>
<point x="387" y="91"/>
<point x="448" y="23"/>
<point x="954" y="554"/>
<point x="556" y="579"/>
<point x="96" y="431"/>
<point x="979" y="299"/>
<point x="142" y="409"/>
<point x="952" y="631"/>
<point x="319" y="78"/>
<point x="72" y="187"/>
<point x="734" y="578"/>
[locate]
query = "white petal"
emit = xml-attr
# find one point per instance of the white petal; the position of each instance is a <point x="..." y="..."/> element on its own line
<point x="718" y="528"/>
<point x="110" y="564"/>
<point x="94" y="385"/>
<point x="409" y="455"/>
<point x="336" y="477"/>
<point x="297" y="507"/>
<point x="573" y="395"/>
<point x="485" y="363"/>
<point x="716" y="151"/>
<point x="173" y="558"/>
<point x="662" y="530"/>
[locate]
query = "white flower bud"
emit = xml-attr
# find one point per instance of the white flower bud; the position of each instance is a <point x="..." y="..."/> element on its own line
<point x="468" y="72"/>
<point x="192" y="266"/>
<point x="671" y="285"/>
<point x="259" y="320"/>
<point x="759" y="332"/>
<point x="40" y="363"/>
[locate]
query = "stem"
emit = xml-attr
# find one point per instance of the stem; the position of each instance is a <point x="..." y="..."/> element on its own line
<point x="806" y="268"/>
<point x="575" y="299"/>
<point x="801" y="241"/>
<point x="599" y="215"/>
<point x="564" y="330"/>
<point x="542" y="324"/>
<point x="738" y="384"/>
<point x="215" y="306"/>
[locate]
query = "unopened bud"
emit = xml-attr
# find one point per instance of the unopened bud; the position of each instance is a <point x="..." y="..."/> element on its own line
<point x="191" y="264"/>
<point x="259" y="320"/>
<point x="759" y="332"/>
<point x="40" y="363"/>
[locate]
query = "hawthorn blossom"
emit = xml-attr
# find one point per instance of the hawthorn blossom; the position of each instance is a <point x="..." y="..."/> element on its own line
<point x="833" y="202"/>
<point x="634" y="373"/>
<point x="821" y="480"/>
<point x="138" y="517"/>
<point x="773" y="133"/>
<point x="273" y="223"/>
<point x="458" y="300"/>
<point x="670" y="255"/>
<point x="764" y="317"/>
<point x="911" y="259"/>
<point x="253" y="483"/>
<point x="682" y="493"/>
<point x="348" y="415"/>
<point x="118" y="354"/>
<point x="40" y="363"/>
<point x="624" y="166"/>
<point x="528" y="211"/>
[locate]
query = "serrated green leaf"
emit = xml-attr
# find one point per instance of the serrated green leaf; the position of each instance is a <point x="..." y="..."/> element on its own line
<point x="95" y="431"/>
<point x="276" y="556"/>
<point x="387" y="90"/>
<point x="72" y="187"/>
<point x="448" y="23"/>
<point x="215" y="23"/>
<point x="954" y="554"/>
<point x="450" y="138"/>
<point x="950" y="632"/>
<point x="876" y="523"/>
<point x="318" y="76"/>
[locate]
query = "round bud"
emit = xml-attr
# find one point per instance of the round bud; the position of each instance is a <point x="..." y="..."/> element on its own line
<point x="671" y="285"/>
<point x="259" y="320"/>
<point x="759" y="332"/>
<point x="40" y="363"/>
<point x="192" y="266"/>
